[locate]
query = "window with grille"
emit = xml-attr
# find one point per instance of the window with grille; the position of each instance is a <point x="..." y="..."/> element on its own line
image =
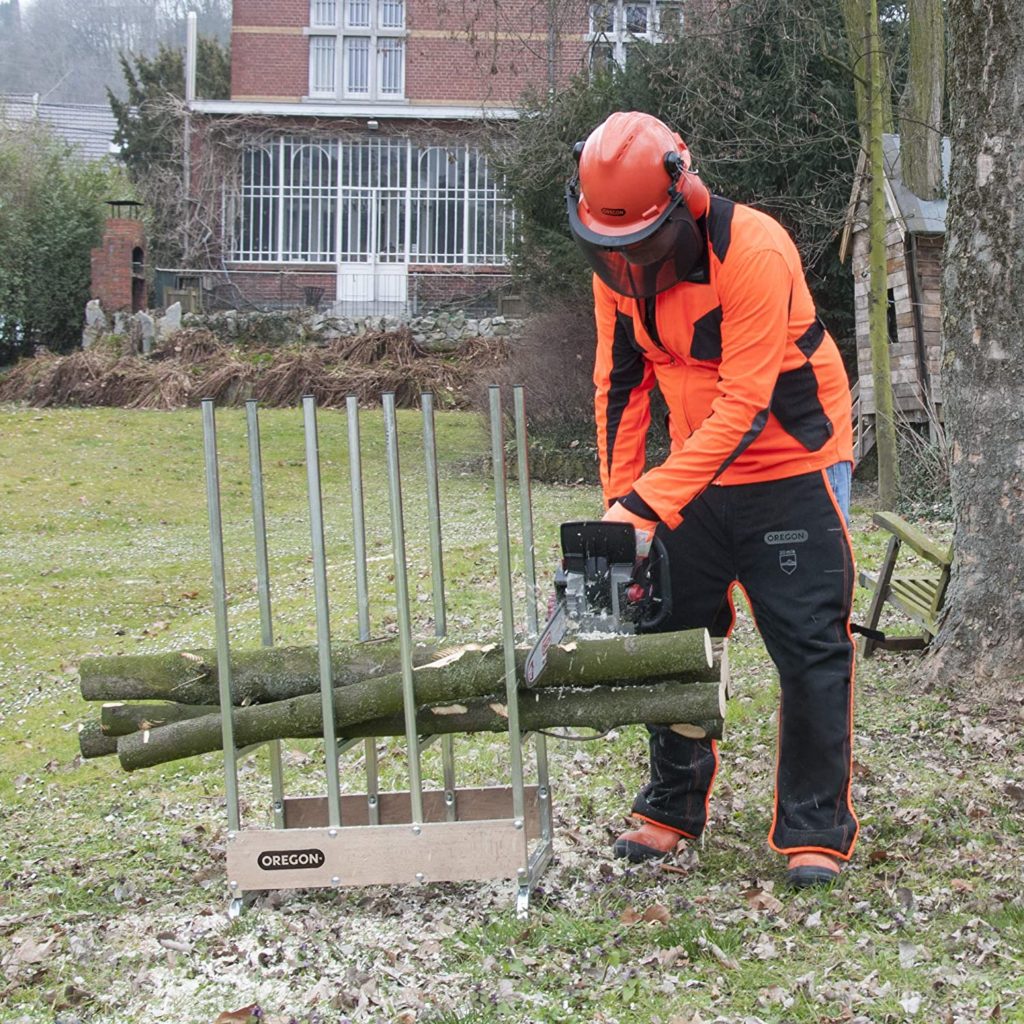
<point x="324" y="14"/>
<point x="363" y="54"/>
<point x="323" y="65"/>
<point x="615" y="25"/>
<point x="371" y="200"/>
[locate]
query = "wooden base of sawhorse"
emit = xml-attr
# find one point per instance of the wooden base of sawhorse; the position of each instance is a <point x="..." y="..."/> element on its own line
<point x="471" y="839"/>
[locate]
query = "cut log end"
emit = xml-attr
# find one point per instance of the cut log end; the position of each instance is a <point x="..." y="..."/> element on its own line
<point x="691" y="731"/>
<point x="93" y="742"/>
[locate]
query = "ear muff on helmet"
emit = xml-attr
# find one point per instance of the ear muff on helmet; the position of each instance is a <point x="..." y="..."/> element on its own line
<point x="686" y="182"/>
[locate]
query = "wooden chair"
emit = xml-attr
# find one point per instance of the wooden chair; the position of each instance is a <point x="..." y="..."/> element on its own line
<point x="916" y="590"/>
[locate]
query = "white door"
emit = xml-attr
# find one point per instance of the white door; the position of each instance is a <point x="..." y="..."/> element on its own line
<point x="373" y="272"/>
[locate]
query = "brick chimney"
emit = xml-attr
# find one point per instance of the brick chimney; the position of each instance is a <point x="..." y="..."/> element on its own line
<point x="119" y="262"/>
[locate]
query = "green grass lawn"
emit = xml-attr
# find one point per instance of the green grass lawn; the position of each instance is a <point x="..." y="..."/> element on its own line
<point x="112" y="888"/>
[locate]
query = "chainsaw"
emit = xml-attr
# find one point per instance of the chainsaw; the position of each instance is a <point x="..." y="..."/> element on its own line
<point x="603" y="587"/>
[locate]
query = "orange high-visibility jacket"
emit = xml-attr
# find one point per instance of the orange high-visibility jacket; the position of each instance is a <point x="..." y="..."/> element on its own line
<point x="754" y="384"/>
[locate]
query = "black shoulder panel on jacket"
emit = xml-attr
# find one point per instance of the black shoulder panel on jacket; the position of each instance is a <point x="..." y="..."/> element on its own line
<point x="720" y="225"/>
<point x="627" y="373"/>
<point x="707" y="335"/>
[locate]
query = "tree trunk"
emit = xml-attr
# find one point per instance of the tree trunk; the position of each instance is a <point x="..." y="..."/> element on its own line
<point x="862" y="45"/>
<point x="467" y="674"/>
<point x="855" y="20"/>
<point x="878" y="301"/>
<point x="921" y="107"/>
<point x="980" y="645"/>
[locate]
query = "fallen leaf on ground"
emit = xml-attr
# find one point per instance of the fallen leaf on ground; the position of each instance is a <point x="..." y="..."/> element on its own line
<point x="657" y="913"/>
<point x="762" y="901"/>
<point x="245" y="1015"/>
<point x="33" y="952"/>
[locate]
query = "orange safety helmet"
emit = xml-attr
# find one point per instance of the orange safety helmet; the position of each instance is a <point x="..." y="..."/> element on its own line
<point x="634" y="203"/>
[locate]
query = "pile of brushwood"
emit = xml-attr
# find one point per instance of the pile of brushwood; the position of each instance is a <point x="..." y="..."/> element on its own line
<point x="158" y="708"/>
<point x="194" y="365"/>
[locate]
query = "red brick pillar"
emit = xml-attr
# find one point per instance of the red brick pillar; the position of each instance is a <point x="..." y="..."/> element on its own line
<point x="118" y="266"/>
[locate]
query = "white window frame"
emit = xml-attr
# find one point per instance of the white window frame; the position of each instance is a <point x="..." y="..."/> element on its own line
<point x="389" y="200"/>
<point x="318" y="63"/>
<point x="618" y="38"/>
<point x="382" y="24"/>
<point x="323" y="13"/>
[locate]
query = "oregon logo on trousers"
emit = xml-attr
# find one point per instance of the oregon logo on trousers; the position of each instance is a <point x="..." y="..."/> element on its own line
<point x="280" y="860"/>
<point x="786" y="537"/>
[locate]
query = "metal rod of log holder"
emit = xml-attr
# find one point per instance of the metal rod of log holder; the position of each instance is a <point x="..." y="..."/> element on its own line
<point x="220" y="614"/>
<point x="259" y="522"/>
<point x="355" y="473"/>
<point x="526" y="508"/>
<point x="323" y="622"/>
<point x="402" y="603"/>
<point x="437" y="581"/>
<point x="507" y="607"/>
<point x="529" y="555"/>
<point x="434" y="514"/>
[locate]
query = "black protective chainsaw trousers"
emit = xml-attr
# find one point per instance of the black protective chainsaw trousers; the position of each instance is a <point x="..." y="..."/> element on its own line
<point x="785" y="543"/>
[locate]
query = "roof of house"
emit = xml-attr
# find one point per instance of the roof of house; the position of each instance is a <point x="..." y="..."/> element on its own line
<point x="921" y="216"/>
<point x="915" y="215"/>
<point x="89" y="127"/>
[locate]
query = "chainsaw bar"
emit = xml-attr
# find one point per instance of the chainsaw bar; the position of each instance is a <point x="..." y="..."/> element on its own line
<point x="552" y="634"/>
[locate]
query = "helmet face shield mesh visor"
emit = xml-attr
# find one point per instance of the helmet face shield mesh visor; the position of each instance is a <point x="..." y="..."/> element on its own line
<point x="647" y="262"/>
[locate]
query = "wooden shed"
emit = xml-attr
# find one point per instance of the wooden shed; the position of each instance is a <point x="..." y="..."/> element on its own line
<point x="914" y="239"/>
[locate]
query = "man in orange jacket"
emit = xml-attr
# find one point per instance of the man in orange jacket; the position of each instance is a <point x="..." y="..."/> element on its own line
<point x="707" y="299"/>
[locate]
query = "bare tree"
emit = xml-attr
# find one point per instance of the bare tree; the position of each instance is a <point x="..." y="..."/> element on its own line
<point x="980" y="646"/>
<point x="872" y="91"/>
<point x="921" y="107"/>
<point x="878" y="303"/>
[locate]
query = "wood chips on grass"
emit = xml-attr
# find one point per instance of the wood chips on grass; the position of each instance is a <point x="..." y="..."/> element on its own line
<point x="194" y="366"/>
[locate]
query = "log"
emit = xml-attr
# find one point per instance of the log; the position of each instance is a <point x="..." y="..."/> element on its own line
<point x="118" y="719"/>
<point x="94" y="742"/>
<point x="700" y="705"/>
<point x="472" y="672"/>
<point x="266" y="674"/>
<point x="278" y="673"/>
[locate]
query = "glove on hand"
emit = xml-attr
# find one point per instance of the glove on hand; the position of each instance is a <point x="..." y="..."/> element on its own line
<point x="645" y="528"/>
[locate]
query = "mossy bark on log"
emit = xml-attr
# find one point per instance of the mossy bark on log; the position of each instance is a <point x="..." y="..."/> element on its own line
<point x="94" y="742"/>
<point x="257" y="676"/>
<point x="701" y="705"/>
<point x="278" y="673"/>
<point x="118" y="719"/>
<point x="469" y="673"/>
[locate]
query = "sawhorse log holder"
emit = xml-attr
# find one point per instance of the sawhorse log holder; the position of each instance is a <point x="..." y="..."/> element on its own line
<point x="374" y="838"/>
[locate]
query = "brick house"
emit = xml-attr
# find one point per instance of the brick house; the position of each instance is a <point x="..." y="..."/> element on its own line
<point x="365" y="180"/>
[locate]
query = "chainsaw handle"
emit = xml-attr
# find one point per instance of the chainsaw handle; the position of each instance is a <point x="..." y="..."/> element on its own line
<point x="659" y="551"/>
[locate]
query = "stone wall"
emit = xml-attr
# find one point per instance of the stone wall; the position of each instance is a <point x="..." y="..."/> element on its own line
<point x="144" y="330"/>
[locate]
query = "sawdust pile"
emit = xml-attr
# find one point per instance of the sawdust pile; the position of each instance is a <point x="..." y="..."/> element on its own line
<point x="195" y="365"/>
